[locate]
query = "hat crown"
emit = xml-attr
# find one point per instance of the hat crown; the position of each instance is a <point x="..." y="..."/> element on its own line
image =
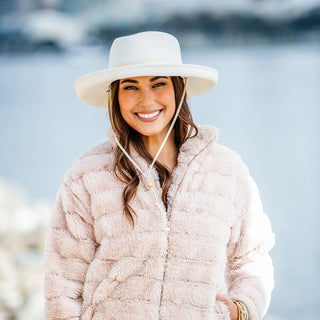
<point x="144" y="47"/>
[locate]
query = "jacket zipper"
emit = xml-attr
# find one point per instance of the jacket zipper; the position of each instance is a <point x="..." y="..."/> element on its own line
<point x="166" y="216"/>
<point x="165" y="264"/>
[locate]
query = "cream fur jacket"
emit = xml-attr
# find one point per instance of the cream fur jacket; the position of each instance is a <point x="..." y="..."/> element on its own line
<point x="216" y="240"/>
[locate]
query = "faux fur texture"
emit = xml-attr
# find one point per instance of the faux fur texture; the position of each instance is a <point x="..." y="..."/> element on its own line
<point x="216" y="240"/>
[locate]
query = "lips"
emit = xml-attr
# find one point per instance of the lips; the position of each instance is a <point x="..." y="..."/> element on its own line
<point x="148" y="116"/>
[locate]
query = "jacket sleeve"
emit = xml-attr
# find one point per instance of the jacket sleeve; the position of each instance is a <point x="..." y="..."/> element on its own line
<point x="70" y="247"/>
<point x="249" y="272"/>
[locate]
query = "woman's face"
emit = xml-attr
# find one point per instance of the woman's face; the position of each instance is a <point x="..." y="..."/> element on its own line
<point x="147" y="104"/>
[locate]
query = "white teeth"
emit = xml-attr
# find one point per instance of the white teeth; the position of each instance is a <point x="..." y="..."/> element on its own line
<point x="148" y="115"/>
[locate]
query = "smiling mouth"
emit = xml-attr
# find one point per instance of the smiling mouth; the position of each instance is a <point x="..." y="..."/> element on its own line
<point x="148" y="116"/>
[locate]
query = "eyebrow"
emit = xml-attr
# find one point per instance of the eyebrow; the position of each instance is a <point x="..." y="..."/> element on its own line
<point x="151" y="80"/>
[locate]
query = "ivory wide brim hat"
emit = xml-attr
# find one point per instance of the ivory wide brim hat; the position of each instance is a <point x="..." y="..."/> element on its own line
<point x="149" y="53"/>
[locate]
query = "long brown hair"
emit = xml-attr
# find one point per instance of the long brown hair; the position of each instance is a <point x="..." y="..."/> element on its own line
<point x="124" y="170"/>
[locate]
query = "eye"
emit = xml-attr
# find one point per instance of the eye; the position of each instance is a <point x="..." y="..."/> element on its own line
<point x="159" y="84"/>
<point x="130" y="88"/>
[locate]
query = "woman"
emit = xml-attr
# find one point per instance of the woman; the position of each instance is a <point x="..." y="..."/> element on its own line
<point x="161" y="221"/>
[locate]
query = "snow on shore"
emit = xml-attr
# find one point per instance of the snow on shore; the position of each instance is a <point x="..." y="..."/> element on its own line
<point x="23" y="224"/>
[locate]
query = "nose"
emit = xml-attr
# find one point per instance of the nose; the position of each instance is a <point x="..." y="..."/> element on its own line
<point x="146" y="98"/>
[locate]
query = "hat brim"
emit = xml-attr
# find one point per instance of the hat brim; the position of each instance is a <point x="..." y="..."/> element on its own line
<point x="92" y="88"/>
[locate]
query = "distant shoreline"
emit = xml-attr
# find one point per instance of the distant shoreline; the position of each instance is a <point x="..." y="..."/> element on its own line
<point x="201" y="28"/>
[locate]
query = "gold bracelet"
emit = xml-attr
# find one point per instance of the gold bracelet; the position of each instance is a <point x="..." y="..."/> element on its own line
<point x="238" y="307"/>
<point x="242" y="309"/>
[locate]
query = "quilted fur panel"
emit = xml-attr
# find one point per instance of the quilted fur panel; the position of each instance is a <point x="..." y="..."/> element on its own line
<point x="215" y="240"/>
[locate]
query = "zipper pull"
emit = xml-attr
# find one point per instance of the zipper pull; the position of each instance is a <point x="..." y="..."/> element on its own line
<point x="150" y="186"/>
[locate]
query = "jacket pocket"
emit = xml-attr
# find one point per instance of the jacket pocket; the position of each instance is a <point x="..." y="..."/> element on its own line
<point x="121" y="270"/>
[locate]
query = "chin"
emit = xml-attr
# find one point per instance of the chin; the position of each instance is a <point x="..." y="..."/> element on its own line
<point x="151" y="133"/>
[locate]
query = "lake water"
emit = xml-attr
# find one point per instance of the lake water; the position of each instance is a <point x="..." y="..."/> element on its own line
<point x="266" y="106"/>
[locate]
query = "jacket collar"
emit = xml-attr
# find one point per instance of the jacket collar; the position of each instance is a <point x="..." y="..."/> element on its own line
<point x="187" y="153"/>
<point x="206" y="135"/>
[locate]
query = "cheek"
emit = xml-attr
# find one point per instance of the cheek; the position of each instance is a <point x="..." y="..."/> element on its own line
<point x="170" y="102"/>
<point x="125" y="106"/>
<point x="122" y="101"/>
<point x="125" y="114"/>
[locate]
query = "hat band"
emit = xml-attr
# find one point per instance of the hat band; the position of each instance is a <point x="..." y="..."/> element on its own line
<point x="148" y="62"/>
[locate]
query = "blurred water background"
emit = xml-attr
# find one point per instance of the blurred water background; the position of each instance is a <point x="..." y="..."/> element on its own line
<point x="266" y="106"/>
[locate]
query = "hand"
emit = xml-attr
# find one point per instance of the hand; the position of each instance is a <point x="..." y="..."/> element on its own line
<point x="233" y="309"/>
